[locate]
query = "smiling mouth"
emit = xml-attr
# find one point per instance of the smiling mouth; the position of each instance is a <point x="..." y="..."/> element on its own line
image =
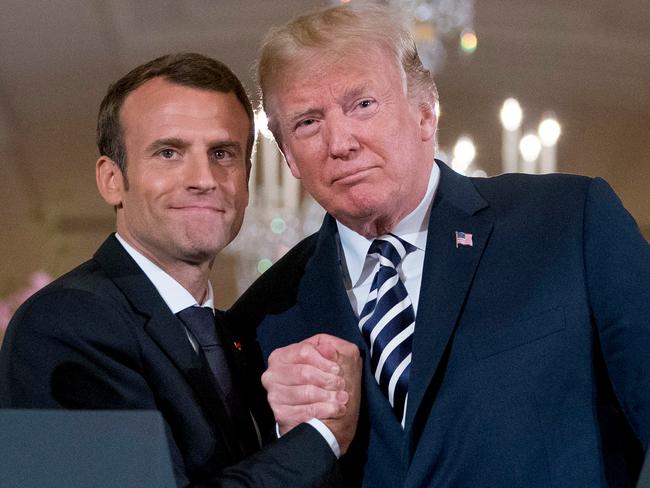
<point x="199" y="208"/>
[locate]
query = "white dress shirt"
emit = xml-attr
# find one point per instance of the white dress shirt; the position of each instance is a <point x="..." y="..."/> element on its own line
<point x="172" y="292"/>
<point x="358" y="272"/>
<point x="178" y="298"/>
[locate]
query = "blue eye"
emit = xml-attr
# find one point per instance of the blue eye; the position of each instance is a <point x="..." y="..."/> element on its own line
<point x="167" y="153"/>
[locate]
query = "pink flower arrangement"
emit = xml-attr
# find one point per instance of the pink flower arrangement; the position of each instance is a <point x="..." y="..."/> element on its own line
<point x="10" y="304"/>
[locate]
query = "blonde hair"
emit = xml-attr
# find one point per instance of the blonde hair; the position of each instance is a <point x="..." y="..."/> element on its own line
<point x="341" y="30"/>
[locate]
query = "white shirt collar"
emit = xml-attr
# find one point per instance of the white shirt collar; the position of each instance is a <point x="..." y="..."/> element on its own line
<point x="412" y="228"/>
<point x="172" y="292"/>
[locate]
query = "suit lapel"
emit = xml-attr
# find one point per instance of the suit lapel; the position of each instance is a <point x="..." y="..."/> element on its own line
<point x="446" y="279"/>
<point x="321" y="294"/>
<point x="326" y="308"/>
<point x="167" y="331"/>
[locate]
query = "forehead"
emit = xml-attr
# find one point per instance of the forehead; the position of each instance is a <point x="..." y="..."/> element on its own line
<point x="318" y="73"/>
<point x="159" y="105"/>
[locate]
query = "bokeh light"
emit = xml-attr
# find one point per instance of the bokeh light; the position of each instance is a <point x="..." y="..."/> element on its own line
<point x="530" y="147"/>
<point x="263" y="265"/>
<point x="511" y="114"/>
<point x="278" y="225"/>
<point x="468" y="41"/>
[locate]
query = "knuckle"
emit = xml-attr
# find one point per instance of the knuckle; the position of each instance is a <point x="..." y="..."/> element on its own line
<point x="306" y="394"/>
<point x="304" y="352"/>
<point x="273" y="356"/>
<point x="272" y="398"/>
<point x="280" y="414"/>
<point x="304" y="374"/>
<point x="311" y="411"/>
<point x="310" y="394"/>
<point x="319" y="337"/>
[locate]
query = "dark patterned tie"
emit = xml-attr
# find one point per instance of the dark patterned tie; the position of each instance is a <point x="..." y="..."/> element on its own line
<point x="206" y="329"/>
<point x="201" y="323"/>
<point x="387" y="322"/>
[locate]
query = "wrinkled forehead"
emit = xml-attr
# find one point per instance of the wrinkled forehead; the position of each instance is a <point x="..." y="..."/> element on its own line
<point x="316" y="63"/>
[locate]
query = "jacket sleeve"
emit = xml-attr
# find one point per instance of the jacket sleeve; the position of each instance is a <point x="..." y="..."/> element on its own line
<point x="71" y="349"/>
<point x="300" y="458"/>
<point x="617" y="262"/>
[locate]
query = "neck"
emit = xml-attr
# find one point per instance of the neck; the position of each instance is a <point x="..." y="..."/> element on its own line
<point x="191" y="275"/>
<point x="378" y="225"/>
<point x="194" y="278"/>
<point x="373" y="228"/>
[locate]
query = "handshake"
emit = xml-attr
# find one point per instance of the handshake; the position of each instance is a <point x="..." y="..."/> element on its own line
<point x="319" y="378"/>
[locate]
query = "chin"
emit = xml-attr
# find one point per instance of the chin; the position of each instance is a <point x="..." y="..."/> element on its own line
<point x="360" y="208"/>
<point x="199" y="256"/>
<point x="202" y="249"/>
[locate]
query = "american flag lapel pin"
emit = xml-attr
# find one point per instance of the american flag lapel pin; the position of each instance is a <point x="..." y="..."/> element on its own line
<point x="463" y="239"/>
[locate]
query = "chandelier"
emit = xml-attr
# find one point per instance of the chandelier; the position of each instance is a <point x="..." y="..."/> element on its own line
<point x="434" y="22"/>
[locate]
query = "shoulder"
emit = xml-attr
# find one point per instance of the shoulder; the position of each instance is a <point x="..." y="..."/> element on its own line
<point x="277" y="287"/>
<point x="553" y="194"/>
<point x="81" y="302"/>
<point x="542" y="201"/>
<point x="523" y="187"/>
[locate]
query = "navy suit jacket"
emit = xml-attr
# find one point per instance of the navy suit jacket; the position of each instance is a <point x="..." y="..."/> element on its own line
<point x="531" y="353"/>
<point x="101" y="337"/>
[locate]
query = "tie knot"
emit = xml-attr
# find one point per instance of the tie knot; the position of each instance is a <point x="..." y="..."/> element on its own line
<point x="391" y="248"/>
<point x="200" y="321"/>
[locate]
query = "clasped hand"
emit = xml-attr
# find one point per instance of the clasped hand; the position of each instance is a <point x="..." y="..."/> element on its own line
<point x="320" y="378"/>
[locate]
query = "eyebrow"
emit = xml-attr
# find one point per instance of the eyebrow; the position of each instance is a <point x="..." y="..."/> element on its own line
<point x="354" y="92"/>
<point x="169" y="141"/>
<point x="177" y="142"/>
<point x="349" y="94"/>
<point x="233" y="145"/>
<point x="295" y="116"/>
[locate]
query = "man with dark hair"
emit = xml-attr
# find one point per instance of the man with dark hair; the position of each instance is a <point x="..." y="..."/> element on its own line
<point x="135" y="327"/>
<point x="504" y="322"/>
<point x="184" y="69"/>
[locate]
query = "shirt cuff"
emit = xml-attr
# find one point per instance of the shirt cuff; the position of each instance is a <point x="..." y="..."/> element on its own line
<point x="324" y="431"/>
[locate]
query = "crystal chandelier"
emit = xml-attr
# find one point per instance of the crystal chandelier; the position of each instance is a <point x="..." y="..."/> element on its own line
<point x="435" y="21"/>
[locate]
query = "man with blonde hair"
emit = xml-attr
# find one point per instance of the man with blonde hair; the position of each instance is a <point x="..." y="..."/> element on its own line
<point x="504" y="322"/>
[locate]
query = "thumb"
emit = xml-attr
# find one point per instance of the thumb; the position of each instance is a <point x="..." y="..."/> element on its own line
<point x="328" y="351"/>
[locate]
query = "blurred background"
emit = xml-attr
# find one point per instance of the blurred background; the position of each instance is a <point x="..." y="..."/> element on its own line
<point x="583" y="64"/>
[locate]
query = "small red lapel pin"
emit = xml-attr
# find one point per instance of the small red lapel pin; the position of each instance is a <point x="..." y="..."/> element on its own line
<point x="237" y="345"/>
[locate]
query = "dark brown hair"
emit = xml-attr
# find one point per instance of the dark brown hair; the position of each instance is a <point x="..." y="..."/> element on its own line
<point x="187" y="69"/>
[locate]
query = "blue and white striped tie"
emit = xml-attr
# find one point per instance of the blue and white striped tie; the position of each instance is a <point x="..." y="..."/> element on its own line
<point x="387" y="322"/>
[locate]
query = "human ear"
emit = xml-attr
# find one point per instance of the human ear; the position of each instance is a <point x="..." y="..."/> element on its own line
<point x="291" y="162"/>
<point x="428" y="121"/>
<point x="110" y="181"/>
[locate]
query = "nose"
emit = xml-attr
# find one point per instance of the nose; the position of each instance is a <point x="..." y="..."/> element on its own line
<point x="343" y="143"/>
<point x="199" y="174"/>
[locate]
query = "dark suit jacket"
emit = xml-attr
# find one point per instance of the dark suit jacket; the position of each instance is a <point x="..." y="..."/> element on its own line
<point x="101" y="337"/>
<point x="531" y="353"/>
